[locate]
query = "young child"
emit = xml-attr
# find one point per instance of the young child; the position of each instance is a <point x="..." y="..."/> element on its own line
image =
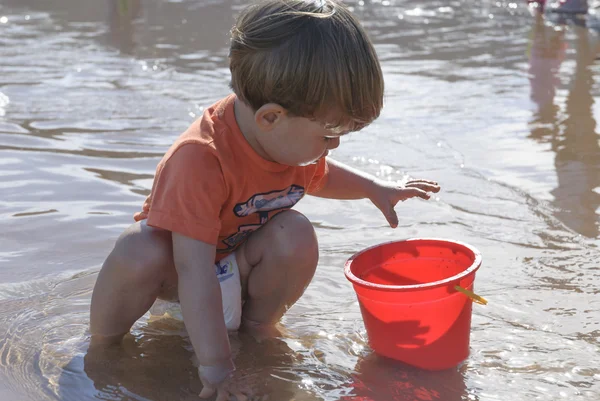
<point x="303" y="74"/>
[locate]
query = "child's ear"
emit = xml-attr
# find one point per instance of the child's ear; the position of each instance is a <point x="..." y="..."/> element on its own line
<point x="269" y="116"/>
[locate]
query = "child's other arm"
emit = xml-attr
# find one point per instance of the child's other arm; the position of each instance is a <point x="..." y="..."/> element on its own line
<point x="345" y="182"/>
<point x="201" y="305"/>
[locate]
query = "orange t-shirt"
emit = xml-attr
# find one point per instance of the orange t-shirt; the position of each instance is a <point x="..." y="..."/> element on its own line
<point x="212" y="186"/>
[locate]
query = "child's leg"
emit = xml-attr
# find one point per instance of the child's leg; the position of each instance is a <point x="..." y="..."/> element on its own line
<point x="276" y="264"/>
<point x="138" y="270"/>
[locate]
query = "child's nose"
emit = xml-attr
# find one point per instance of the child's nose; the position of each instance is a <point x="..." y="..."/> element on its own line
<point x="333" y="143"/>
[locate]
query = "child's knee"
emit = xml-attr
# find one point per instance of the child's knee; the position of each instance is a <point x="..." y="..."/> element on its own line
<point x="295" y="237"/>
<point x="142" y="254"/>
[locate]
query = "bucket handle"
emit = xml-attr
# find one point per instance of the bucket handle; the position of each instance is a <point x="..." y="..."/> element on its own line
<point x="472" y="296"/>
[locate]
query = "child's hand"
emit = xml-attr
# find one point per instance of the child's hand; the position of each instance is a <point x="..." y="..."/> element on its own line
<point x="385" y="195"/>
<point x="231" y="386"/>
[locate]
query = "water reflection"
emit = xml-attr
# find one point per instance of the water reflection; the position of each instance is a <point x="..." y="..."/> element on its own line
<point x="378" y="378"/>
<point x="570" y="128"/>
<point x="149" y="367"/>
<point x="122" y="14"/>
<point x="156" y="363"/>
<point x="187" y="33"/>
<point x="546" y="51"/>
<point x="85" y="127"/>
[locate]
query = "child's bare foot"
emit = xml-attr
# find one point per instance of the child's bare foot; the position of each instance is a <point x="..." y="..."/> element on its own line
<point x="100" y="341"/>
<point x="260" y="331"/>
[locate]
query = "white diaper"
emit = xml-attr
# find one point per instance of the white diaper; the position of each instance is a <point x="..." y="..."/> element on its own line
<point x="228" y="274"/>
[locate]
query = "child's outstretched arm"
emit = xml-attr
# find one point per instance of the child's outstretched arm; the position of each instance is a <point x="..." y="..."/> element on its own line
<point x="201" y="305"/>
<point x="345" y="182"/>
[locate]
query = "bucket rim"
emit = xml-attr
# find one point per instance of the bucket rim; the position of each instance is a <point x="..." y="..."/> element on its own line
<point x="383" y="287"/>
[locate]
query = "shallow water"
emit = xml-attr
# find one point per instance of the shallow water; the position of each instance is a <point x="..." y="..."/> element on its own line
<point x="498" y="108"/>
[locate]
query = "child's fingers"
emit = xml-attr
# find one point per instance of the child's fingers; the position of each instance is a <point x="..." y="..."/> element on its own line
<point x="207" y="392"/>
<point x="240" y="396"/>
<point x="422" y="180"/>
<point x="413" y="192"/>
<point x="391" y="216"/>
<point x="223" y="396"/>
<point x="424" y="185"/>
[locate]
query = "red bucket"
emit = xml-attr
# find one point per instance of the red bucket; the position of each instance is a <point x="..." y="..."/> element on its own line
<point x="410" y="306"/>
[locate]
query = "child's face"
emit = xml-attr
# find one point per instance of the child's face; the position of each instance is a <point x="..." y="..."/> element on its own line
<point x="298" y="141"/>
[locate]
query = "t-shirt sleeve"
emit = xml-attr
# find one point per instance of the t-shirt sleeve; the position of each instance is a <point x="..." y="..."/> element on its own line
<point x="189" y="193"/>
<point x="319" y="178"/>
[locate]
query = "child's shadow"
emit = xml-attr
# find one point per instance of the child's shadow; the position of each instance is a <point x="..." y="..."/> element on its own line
<point x="153" y="364"/>
<point x="156" y="364"/>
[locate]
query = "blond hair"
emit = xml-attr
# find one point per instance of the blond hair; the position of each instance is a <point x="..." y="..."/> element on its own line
<point x="312" y="57"/>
